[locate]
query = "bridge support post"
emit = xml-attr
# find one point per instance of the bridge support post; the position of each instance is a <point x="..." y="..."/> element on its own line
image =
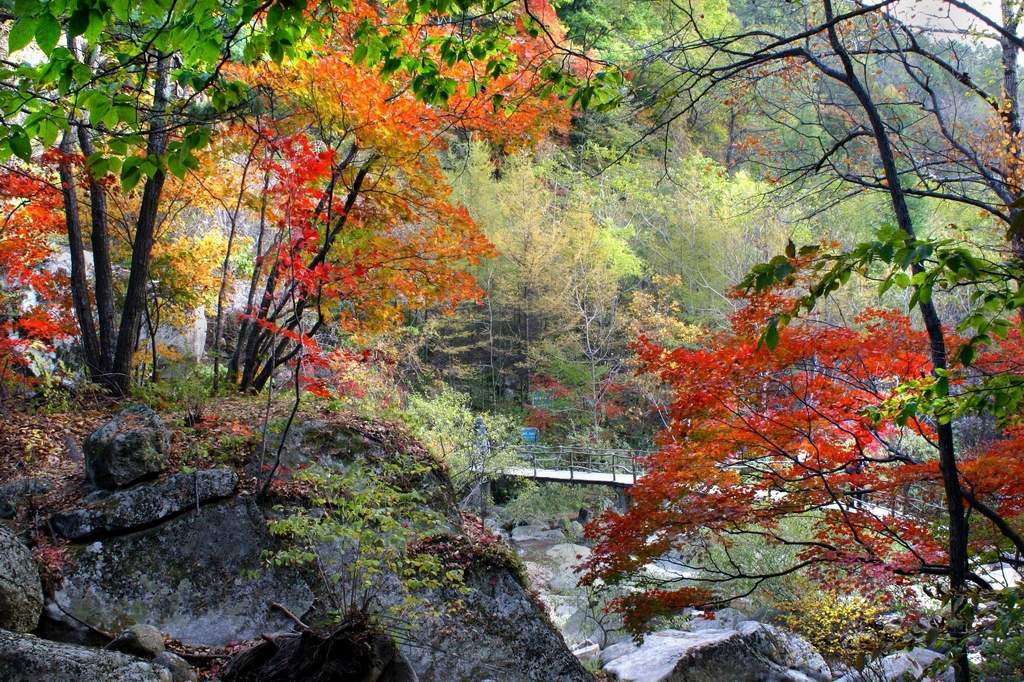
<point x="622" y="499"/>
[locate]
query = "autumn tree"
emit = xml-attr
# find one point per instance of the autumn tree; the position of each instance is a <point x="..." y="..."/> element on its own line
<point x="843" y="123"/>
<point x="359" y="215"/>
<point x="135" y="90"/>
<point x="34" y="310"/>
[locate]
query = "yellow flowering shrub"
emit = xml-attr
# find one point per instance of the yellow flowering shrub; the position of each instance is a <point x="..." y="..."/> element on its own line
<point x="844" y="628"/>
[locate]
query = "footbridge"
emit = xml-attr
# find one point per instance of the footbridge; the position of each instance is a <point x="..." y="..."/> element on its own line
<point x="616" y="467"/>
<point x="621" y="468"/>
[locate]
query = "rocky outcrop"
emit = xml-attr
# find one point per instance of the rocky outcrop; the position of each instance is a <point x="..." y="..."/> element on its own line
<point x="350" y="654"/>
<point x="200" y="578"/>
<point x="130" y="447"/>
<point x="24" y="658"/>
<point x="21" y="595"/>
<point x="500" y="635"/>
<point x="754" y="652"/>
<point x="143" y="505"/>
<point x="340" y="444"/>
<point x="173" y="555"/>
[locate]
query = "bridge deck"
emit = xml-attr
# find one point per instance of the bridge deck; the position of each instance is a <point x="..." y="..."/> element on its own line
<point x="574" y="476"/>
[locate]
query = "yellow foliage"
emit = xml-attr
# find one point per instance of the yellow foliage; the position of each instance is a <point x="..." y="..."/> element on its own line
<point x="187" y="271"/>
<point x="659" y="318"/>
<point x="843" y="627"/>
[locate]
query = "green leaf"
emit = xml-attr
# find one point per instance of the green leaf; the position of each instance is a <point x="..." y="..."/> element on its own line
<point x="20" y="144"/>
<point x="771" y="334"/>
<point x="131" y="172"/>
<point x="47" y="33"/>
<point x="22" y="32"/>
<point x="78" y="21"/>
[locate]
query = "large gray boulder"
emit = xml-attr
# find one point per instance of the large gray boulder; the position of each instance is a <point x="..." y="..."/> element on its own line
<point x="24" y="658"/>
<point x="144" y="505"/>
<point x="200" y="578"/>
<point x="201" y="575"/>
<point x="131" y="446"/>
<point x="753" y="653"/>
<point x="21" y="593"/>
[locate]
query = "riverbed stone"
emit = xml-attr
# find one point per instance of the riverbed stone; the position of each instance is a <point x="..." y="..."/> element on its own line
<point x="754" y="653"/>
<point x="537" y="533"/>
<point x="141" y="640"/>
<point x="24" y="658"/>
<point x="179" y="668"/>
<point x="917" y="664"/>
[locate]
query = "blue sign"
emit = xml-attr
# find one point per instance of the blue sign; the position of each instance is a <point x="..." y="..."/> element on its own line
<point x="529" y="434"/>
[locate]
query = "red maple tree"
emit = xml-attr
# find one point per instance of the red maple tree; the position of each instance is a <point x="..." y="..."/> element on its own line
<point x="34" y="310"/>
<point x="816" y="429"/>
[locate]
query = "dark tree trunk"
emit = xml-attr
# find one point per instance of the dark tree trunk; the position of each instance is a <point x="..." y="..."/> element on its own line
<point x="246" y="327"/>
<point x="103" y="270"/>
<point x="958" y="531"/>
<point x="225" y="267"/>
<point x="79" y="283"/>
<point x="152" y="325"/>
<point x="263" y="351"/>
<point x="145" y="227"/>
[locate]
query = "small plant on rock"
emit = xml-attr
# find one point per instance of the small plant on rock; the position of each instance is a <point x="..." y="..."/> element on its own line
<point x="355" y="535"/>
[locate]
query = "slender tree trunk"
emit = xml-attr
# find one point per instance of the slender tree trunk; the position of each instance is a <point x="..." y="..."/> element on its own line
<point x="145" y="228"/>
<point x="246" y="326"/>
<point x="104" y="274"/>
<point x="958" y="531"/>
<point x="100" y="240"/>
<point x="225" y="268"/>
<point x="151" y="327"/>
<point x="79" y="281"/>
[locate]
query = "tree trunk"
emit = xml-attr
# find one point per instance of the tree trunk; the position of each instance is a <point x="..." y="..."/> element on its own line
<point x="958" y="531"/>
<point x="151" y="327"/>
<point x="225" y="267"/>
<point x="99" y="238"/>
<point x="79" y="283"/>
<point x="102" y="268"/>
<point x="145" y="227"/>
<point x="246" y="326"/>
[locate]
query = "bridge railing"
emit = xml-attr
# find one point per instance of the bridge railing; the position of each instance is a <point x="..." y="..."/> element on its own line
<point x="577" y="459"/>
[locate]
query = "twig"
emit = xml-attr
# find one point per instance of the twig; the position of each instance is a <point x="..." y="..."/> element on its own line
<point x="90" y="627"/>
<point x="286" y="611"/>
